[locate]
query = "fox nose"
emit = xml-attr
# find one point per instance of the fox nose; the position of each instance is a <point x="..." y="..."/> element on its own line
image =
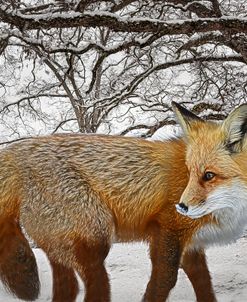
<point x="183" y="207"/>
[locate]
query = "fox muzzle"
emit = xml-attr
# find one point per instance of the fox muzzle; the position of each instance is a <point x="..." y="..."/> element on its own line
<point x="182" y="208"/>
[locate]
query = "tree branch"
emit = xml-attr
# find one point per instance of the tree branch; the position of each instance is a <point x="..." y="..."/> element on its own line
<point x="130" y="87"/>
<point x="120" y="24"/>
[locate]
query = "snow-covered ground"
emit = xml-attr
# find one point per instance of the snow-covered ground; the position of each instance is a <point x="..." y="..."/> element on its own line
<point x="129" y="268"/>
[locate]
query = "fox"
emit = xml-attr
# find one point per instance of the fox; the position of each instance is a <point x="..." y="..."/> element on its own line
<point x="216" y="157"/>
<point x="76" y="194"/>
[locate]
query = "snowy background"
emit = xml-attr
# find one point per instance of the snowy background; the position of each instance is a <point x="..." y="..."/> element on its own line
<point x="122" y="83"/>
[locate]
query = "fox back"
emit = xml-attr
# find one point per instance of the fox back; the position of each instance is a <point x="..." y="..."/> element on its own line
<point x="131" y="177"/>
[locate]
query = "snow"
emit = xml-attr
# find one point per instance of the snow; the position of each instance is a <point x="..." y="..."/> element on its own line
<point x="128" y="266"/>
<point x="51" y="15"/>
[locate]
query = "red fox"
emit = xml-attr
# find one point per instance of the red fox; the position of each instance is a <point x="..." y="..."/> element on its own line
<point x="76" y="194"/>
<point x="217" y="186"/>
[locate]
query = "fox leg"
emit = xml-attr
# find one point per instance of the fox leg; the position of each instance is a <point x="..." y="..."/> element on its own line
<point x="90" y="266"/>
<point x="18" y="268"/>
<point x="165" y="258"/>
<point x="65" y="284"/>
<point x="194" y="264"/>
<point x="78" y="236"/>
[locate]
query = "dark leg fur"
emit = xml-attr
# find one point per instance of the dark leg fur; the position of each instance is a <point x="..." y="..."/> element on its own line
<point x="65" y="285"/>
<point x="91" y="269"/>
<point x="195" y="266"/>
<point x="165" y="257"/>
<point x="18" y="268"/>
<point x="96" y="284"/>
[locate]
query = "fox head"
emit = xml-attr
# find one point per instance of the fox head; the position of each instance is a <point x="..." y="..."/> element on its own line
<point x="216" y="157"/>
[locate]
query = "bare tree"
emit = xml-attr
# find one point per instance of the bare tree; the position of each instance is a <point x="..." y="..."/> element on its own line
<point x="83" y="65"/>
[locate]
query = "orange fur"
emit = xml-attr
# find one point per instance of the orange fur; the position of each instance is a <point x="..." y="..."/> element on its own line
<point x="214" y="147"/>
<point x="216" y="156"/>
<point x="78" y="193"/>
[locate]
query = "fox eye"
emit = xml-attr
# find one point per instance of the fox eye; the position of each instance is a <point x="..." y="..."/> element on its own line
<point x="208" y="176"/>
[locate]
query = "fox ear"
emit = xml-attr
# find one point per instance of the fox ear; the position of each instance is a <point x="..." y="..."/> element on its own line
<point x="235" y="127"/>
<point x="184" y="117"/>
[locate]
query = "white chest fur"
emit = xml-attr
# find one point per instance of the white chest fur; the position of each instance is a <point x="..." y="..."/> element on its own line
<point x="229" y="207"/>
<point x="227" y="231"/>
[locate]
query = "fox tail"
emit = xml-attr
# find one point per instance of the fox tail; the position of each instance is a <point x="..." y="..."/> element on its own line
<point x="18" y="267"/>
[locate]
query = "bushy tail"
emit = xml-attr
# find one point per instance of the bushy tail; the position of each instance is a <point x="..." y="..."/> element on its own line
<point x="18" y="267"/>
